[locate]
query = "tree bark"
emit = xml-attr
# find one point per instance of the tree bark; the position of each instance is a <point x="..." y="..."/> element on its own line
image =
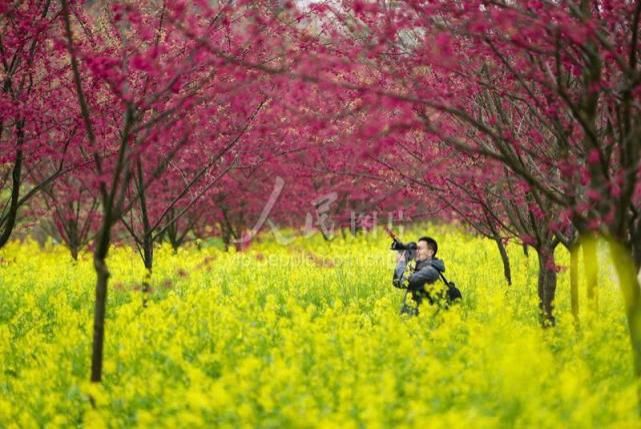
<point x="574" y="281"/>
<point x="8" y="222"/>
<point x="172" y="233"/>
<point x="147" y="240"/>
<point x="74" y="252"/>
<point x="102" y="272"/>
<point x="546" y="285"/>
<point x="507" y="272"/>
<point x="148" y="259"/>
<point x="73" y="235"/>
<point x="627" y="268"/>
<point x="590" y="267"/>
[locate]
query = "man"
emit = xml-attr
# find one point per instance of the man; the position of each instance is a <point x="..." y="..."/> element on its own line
<point x="426" y="271"/>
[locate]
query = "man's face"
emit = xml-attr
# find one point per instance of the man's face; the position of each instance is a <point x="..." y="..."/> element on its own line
<point x="423" y="252"/>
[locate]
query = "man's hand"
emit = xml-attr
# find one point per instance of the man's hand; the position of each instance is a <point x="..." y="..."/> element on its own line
<point x="400" y="257"/>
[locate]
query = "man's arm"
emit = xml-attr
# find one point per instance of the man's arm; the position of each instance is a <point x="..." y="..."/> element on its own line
<point x="401" y="264"/>
<point x="427" y="274"/>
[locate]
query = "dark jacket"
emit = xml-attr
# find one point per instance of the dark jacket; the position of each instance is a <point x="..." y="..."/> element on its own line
<point x="425" y="272"/>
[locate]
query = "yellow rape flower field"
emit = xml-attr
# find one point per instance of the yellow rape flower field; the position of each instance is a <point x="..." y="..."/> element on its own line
<point x="306" y="335"/>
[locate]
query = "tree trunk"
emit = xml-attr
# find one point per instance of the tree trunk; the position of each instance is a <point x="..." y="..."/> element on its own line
<point x="147" y="240"/>
<point x="74" y="252"/>
<point x="102" y="273"/>
<point x="228" y="231"/>
<point x="507" y="272"/>
<point x="589" y="245"/>
<point x="172" y="236"/>
<point x="574" y="281"/>
<point x="627" y="269"/>
<point x="8" y="221"/>
<point x="546" y="285"/>
<point x="226" y="235"/>
<point x="590" y="268"/>
<point x="74" y="238"/>
<point x="172" y="232"/>
<point x="148" y="259"/>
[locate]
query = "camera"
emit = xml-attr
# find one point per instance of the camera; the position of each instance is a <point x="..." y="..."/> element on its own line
<point x="409" y="249"/>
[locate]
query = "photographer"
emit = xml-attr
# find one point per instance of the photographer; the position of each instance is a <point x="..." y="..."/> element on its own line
<point x="417" y="266"/>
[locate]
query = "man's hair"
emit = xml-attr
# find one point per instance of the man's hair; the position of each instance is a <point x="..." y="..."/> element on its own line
<point x="431" y="243"/>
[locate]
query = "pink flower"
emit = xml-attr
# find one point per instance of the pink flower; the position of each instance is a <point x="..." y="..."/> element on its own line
<point x="593" y="194"/>
<point x="615" y="190"/>
<point x="444" y="44"/>
<point x="358" y="7"/>
<point x="594" y="157"/>
<point x="528" y="239"/>
<point x="594" y="224"/>
<point x="141" y="63"/>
